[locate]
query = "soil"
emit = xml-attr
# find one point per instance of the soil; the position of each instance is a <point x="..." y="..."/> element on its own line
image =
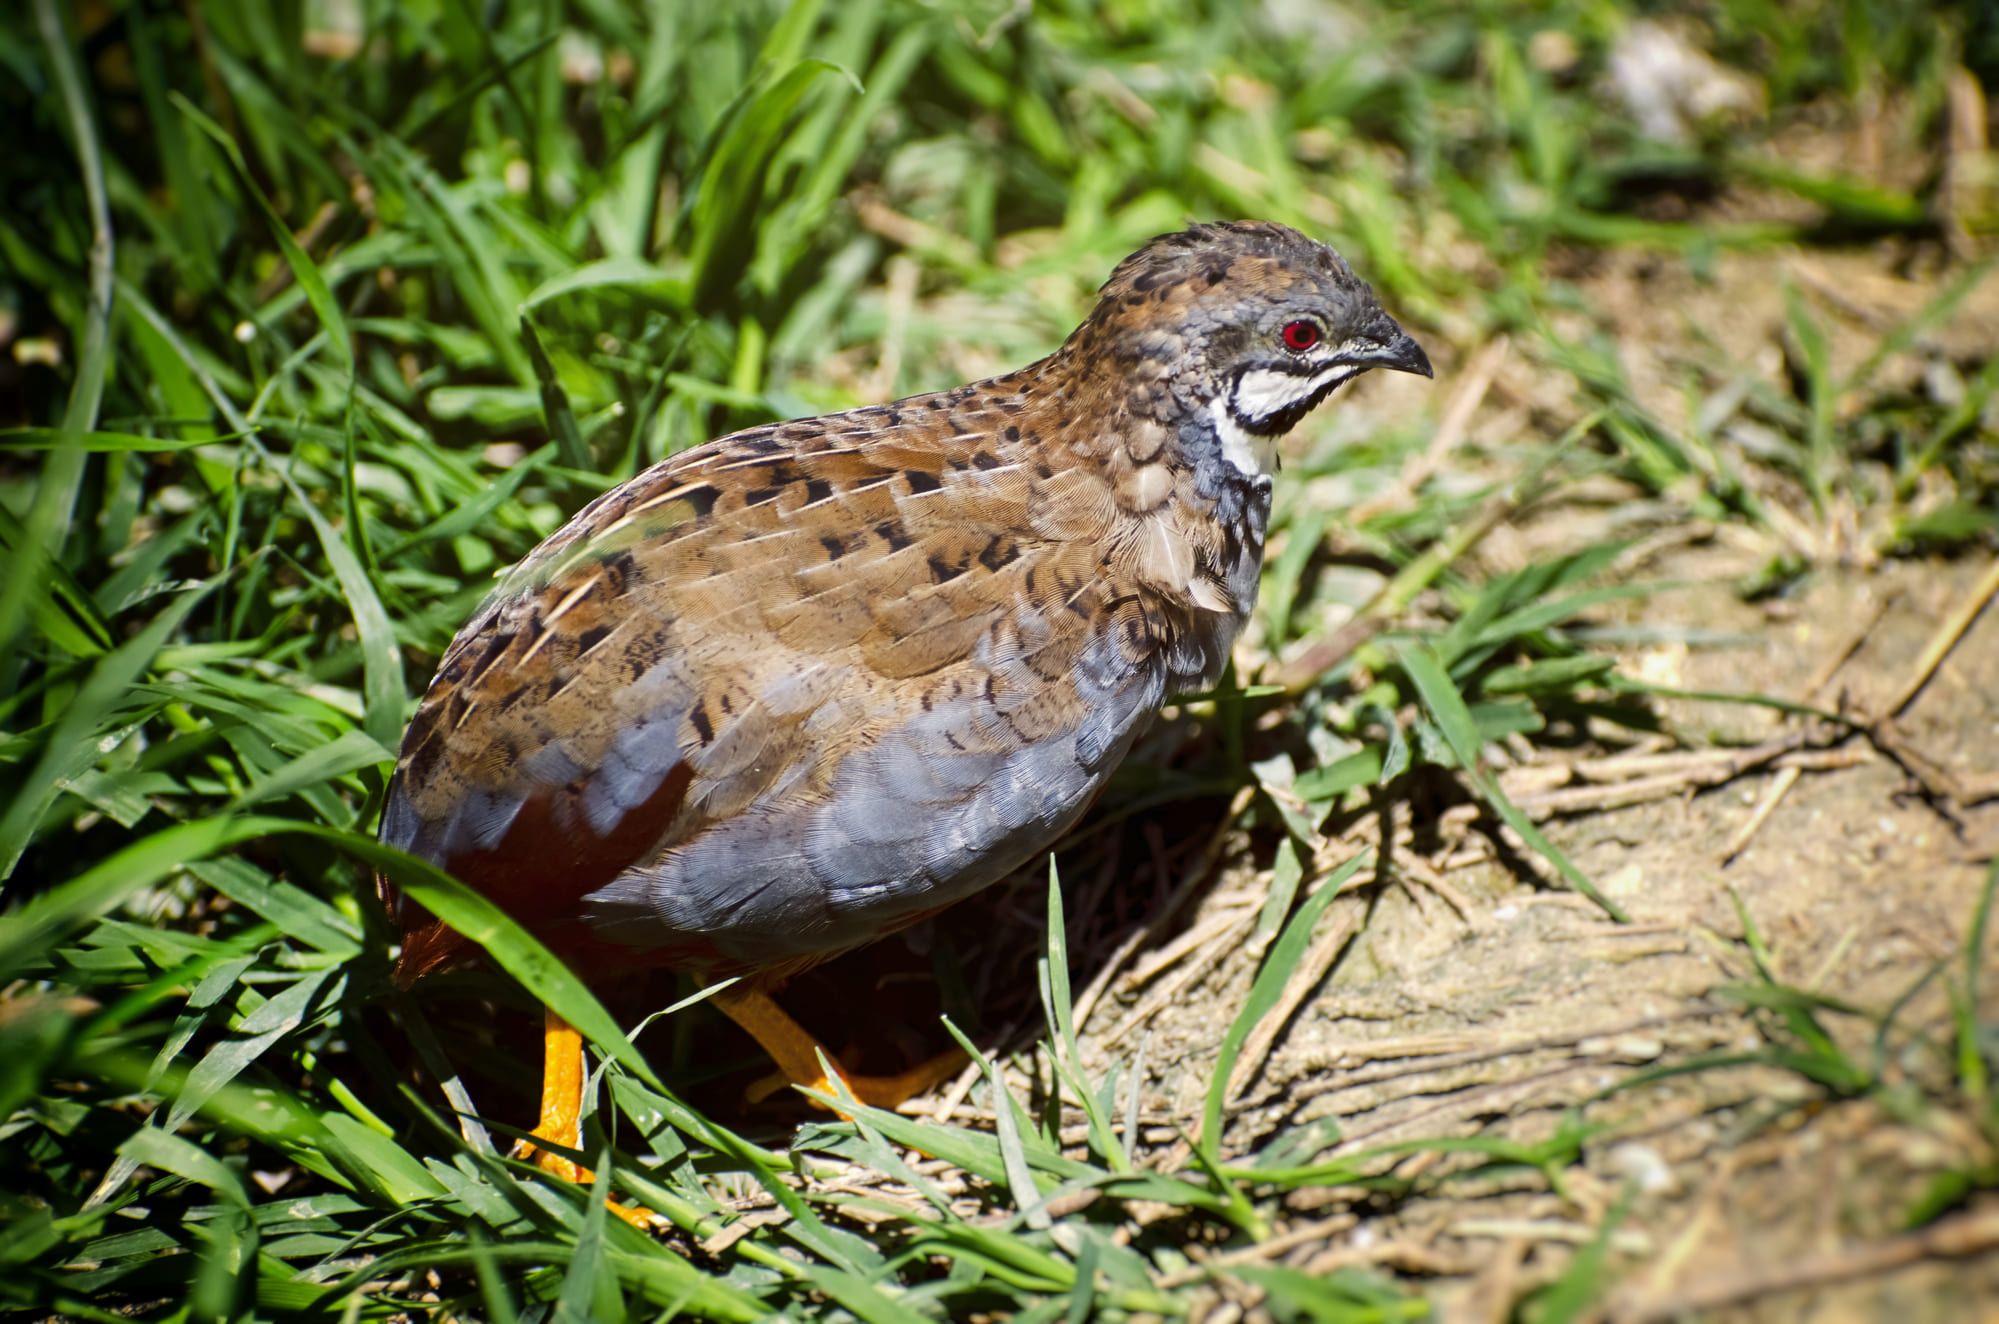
<point x="1501" y="1020"/>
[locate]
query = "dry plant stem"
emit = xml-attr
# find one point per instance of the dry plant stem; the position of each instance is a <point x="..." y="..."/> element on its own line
<point x="1938" y="782"/>
<point x="1560" y="1230"/>
<point x="954" y="1095"/>
<point x="1172" y="989"/>
<point x="1087" y="1003"/>
<point x="742" y="1227"/>
<point x="903" y="273"/>
<point x="1491" y="1296"/>
<point x="1409" y="1257"/>
<point x="1464" y="402"/>
<point x="1461" y="1105"/>
<point x="1413" y="869"/>
<point x="1830" y="667"/>
<point x="1667" y="1269"/>
<point x="1199" y="936"/>
<point x="1267" y="1249"/>
<point x="1396" y="595"/>
<point x="1317" y="964"/>
<point x="1724" y="767"/>
<point x="1156" y="927"/>
<point x="911" y="233"/>
<point x="1417" y="1062"/>
<point x="1641" y="762"/>
<point x="307" y="239"/>
<point x="1964" y="150"/>
<point x="1952" y="1238"/>
<point x="1402" y="1048"/>
<point x="1945" y="638"/>
<point x="1785" y="779"/>
<point x="1825" y="288"/>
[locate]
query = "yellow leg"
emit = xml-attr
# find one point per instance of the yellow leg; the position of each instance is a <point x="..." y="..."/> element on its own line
<point x="562" y="1112"/>
<point x="561" y="1098"/>
<point x="797" y="1053"/>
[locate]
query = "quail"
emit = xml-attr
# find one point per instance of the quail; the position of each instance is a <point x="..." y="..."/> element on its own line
<point x="809" y="683"/>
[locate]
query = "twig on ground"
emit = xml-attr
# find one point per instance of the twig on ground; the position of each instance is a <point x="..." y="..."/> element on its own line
<point x="959" y="1089"/>
<point x="1492" y="1294"/>
<point x="1828" y="289"/>
<point x="1785" y="779"/>
<point x="1943" y="787"/>
<point x="749" y="1222"/>
<point x="1400" y="1048"/>
<point x="1407" y="1256"/>
<point x="1229" y="940"/>
<point x="1398" y="1063"/>
<point x="1946" y="637"/>
<point x="1940" y="784"/>
<point x="1306" y="977"/>
<point x="1837" y="659"/>
<point x="1087" y="1003"/>
<point x="1156" y="927"/>
<point x="1464" y="402"/>
<point x="1714" y="769"/>
<point x="1952" y="1238"/>
<point x="1157" y="962"/>
<point x="1463" y="1105"/>
<point x="1268" y="1249"/>
<point x="1566" y="1231"/>
<point x="1415" y="869"/>
<point x="1666" y="1270"/>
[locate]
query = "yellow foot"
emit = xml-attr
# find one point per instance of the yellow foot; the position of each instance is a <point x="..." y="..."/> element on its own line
<point x="798" y="1056"/>
<point x="875" y="1091"/>
<point x="562" y="1115"/>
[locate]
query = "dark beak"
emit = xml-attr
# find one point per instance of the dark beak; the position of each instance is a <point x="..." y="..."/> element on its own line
<point x="1400" y="352"/>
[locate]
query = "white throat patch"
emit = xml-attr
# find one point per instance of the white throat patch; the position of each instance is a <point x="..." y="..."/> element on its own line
<point x="1249" y="453"/>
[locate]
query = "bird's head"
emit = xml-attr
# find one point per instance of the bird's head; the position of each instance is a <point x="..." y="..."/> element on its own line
<point x="1234" y="331"/>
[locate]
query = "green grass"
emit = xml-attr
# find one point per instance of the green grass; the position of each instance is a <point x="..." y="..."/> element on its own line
<point x="353" y="304"/>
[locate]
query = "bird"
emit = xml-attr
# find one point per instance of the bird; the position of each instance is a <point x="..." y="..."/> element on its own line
<point x="809" y="683"/>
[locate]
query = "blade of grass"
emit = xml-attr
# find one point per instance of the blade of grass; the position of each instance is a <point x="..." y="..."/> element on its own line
<point x="1972" y="1068"/>
<point x="303" y="268"/>
<point x="1053" y="971"/>
<point x="1264" y="993"/>
<point x="1571" y="1295"/>
<point x="1454" y="720"/>
<point x="381" y="656"/>
<point x="587" y="1292"/>
<point x="493" y="1293"/>
<point x="48" y="521"/>
<point x="66" y="615"/>
<point x="72" y="745"/>
<point x="561" y="419"/>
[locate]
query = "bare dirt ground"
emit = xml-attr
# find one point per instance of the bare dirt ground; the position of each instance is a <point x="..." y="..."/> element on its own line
<point x="1501" y="1019"/>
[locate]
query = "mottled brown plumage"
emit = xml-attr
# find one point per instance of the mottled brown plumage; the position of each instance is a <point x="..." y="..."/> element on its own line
<point x="808" y="683"/>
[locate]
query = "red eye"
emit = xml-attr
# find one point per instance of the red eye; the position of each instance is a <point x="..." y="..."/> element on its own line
<point x="1301" y="335"/>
